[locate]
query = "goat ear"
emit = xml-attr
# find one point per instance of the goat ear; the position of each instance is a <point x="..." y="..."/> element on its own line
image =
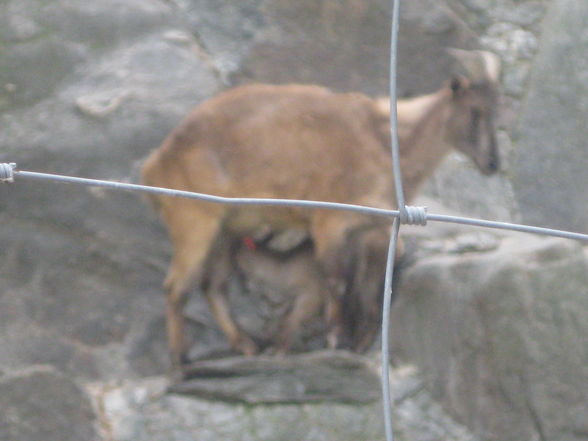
<point x="383" y="106"/>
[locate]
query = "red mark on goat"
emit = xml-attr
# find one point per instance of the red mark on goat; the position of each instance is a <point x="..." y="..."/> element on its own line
<point x="249" y="243"/>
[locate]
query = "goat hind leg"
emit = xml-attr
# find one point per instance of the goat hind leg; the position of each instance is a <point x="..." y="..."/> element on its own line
<point x="329" y="236"/>
<point x="306" y="306"/>
<point x="238" y="340"/>
<point x="220" y="266"/>
<point x="192" y="239"/>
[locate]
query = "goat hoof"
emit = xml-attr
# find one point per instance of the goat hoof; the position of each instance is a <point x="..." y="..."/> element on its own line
<point x="247" y="347"/>
<point x="277" y="351"/>
<point x="176" y="374"/>
<point x="177" y="371"/>
<point x="280" y="353"/>
<point x="333" y="340"/>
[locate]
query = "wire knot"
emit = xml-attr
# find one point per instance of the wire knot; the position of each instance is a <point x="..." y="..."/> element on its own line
<point x="413" y="215"/>
<point x="7" y="172"/>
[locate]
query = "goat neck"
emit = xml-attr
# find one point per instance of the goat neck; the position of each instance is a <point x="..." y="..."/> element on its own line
<point x="421" y="129"/>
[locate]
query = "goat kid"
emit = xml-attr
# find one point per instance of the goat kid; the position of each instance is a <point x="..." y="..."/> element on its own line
<point x="304" y="142"/>
<point x="291" y="277"/>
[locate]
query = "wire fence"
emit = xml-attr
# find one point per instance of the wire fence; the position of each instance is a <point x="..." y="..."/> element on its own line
<point x="10" y="173"/>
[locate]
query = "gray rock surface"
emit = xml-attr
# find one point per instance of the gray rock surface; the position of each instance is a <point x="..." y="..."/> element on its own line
<point x="82" y="269"/>
<point x="42" y="404"/>
<point x="500" y="334"/>
<point x="141" y="411"/>
<point x="314" y="377"/>
<point x="344" y="44"/>
<point x="551" y="129"/>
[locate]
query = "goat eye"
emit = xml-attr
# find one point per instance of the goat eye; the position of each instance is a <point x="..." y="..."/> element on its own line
<point x="455" y="85"/>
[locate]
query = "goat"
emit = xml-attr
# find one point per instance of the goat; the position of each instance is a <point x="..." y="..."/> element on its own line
<point x="293" y="286"/>
<point x="304" y="142"/>
<point x="290" y="276"/>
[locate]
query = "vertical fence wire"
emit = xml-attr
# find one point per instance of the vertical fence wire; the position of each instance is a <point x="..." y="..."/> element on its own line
<point x="387" y="300"/>
<point x="393" y="108"/>
<point x="385" y="351"/>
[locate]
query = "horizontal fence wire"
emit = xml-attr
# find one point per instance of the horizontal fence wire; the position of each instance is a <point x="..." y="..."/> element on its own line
<point x="360" y="209"/>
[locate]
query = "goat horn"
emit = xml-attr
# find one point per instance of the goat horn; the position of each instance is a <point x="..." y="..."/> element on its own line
<point x="478" y="66"/>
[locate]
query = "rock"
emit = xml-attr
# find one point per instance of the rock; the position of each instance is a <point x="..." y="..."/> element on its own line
<point x="525" y="14"/>
<point x="548" y="130"/>
<point x="296" y="38"/>
<point x="483" y="13"/>
<point x="499" y="336"/>
<point x="81" y="281"/>
<point x="226" y="30"/>
<point x="141" y="411"/>
<point x="511" y="42"/>
<point x="41" y="404"/>
<point x="319" y="376"/>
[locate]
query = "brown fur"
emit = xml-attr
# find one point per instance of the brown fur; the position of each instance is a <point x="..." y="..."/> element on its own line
<point x="297" y="142"/>
<point x="294" y="282"/>
<point x="294" y="277"/>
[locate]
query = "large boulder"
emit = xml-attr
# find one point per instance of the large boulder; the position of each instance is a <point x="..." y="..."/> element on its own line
<point x="549" y="168"/>
<point x="499" y="332"/>
<point x="141" y="411"/>
<point x="313" y="377"/>
<point x="40" y="403"/>
<point x="87" y="89"/>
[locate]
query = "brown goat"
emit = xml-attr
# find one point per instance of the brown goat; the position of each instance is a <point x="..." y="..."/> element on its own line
<point x="293" y="280"/>
<point x="304" y="142"/>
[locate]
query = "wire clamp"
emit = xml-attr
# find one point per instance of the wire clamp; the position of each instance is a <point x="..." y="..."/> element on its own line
<point x="413" y="215"/>
<point x="7" y="172"/>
